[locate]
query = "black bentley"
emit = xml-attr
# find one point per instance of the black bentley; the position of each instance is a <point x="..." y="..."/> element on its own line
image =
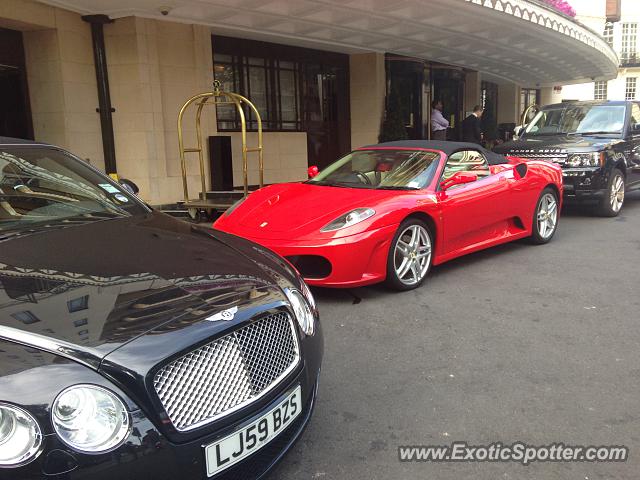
<point x="596" y="143"/>
<point x="137" y="346"/>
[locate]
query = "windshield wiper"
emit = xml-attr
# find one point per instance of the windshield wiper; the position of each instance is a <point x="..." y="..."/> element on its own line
<point x="55" y="199"/>
<point x="391" y="187"/>
<point x="325" y="183"/>
<point x="598" y="132"/>
<point x="544" y="134"/>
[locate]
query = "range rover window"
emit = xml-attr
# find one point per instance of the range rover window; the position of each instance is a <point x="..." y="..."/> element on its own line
<point x="635" y="118"/>
<point x="578" y="119"/>
<point x="45" y="186"/>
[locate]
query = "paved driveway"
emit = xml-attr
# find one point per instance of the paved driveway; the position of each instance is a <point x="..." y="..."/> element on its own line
<point x="533" y="343"/>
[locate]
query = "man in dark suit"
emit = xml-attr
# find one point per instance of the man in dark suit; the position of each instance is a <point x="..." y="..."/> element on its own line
<point x="471" y="130"/>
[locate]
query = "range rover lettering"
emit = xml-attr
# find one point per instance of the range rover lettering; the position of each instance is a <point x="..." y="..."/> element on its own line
<point x="596" y="143"/>
<point x="134" y="345"/>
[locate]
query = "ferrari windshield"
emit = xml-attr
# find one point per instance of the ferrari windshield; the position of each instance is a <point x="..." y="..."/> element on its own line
<point x="43" y="186"/>
<point x="577" y="119"/>
<point x="381" y="169"/>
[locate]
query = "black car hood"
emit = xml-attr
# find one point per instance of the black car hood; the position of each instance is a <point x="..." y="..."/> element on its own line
<point x="87" y="290"/>
<point x="566" y="143"/>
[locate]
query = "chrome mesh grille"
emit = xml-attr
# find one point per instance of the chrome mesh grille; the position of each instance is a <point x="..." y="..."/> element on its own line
<point x="228" y="373"/>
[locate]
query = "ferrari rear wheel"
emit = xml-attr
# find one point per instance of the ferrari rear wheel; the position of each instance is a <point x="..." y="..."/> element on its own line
<point x="410" y="255"/>
<point x="545" y="221"/>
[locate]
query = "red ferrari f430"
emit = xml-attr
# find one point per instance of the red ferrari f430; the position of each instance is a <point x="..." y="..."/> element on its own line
<point x="389" y="212"/>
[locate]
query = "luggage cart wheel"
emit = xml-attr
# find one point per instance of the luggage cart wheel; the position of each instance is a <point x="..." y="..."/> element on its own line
<point x="196" y="215"/>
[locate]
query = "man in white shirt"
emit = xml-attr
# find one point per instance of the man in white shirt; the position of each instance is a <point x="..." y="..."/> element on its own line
<point x="439" y="124"/>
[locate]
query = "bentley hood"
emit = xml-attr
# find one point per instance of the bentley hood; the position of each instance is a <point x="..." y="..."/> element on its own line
<point x="87" y="290"/>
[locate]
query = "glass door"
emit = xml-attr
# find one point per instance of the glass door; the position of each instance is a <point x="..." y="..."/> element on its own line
<point x="15" y="112"/>
<point x="448" y="86"/>
<point x="326" y="113"/>
<point x="405" y="79"/>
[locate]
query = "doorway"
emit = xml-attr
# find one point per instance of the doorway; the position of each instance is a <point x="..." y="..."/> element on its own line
<point x="15" y="112"/>
<point x="489" y="100"/>
<point x="325" y="113"/>
<point x="405" y="79"/>
<point x="448" y="86"/>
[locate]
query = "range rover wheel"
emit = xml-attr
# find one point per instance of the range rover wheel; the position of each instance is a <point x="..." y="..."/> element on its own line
<point x="545" y="220"/>
<point x="613" y="199"/>
<point x="410" y="255"/>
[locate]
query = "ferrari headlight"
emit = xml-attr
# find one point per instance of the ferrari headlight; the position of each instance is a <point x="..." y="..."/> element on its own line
<point x="348" y="219"/>
<point x="591" y="159"/>
<point x="90" y="418"/>
<point x="302" y="309"/>
<point x="20" y="436"/>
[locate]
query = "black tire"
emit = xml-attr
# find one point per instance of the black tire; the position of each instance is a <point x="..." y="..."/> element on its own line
<point x="404" y="230"/>
<point x="612" y="202"/>
<point x="540" y="235"/>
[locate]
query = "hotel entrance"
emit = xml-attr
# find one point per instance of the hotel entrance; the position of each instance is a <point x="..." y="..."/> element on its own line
<point x="416" y="83"/>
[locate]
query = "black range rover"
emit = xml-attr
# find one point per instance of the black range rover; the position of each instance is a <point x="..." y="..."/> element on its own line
<point x="596" y="143"/>
<point x="134" y="345"/>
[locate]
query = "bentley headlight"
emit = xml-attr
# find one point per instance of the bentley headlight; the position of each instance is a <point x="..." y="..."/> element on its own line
<point x="591" y="159"/>
<point x="90" y="418"/>
<point x="306" y="291"/>
<point x="302" y="309"/>
<point x="354" y="216"/>
<point x="20" y="436"/>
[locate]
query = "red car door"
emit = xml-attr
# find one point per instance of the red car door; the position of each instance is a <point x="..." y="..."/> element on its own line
<point x="477" y="212"/>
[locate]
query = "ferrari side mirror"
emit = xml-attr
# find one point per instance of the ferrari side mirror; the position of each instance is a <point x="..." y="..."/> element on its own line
<point x="459" y="178"/>
<point x="312" y="171"/>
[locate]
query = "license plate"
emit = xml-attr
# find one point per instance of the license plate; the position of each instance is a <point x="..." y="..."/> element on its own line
<point x="233" y="448"/>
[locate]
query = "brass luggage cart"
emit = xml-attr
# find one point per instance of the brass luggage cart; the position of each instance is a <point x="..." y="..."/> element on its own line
<point x="525" y="115"/>
<point x="210" y="201"/>
<point x="524" y="120"/>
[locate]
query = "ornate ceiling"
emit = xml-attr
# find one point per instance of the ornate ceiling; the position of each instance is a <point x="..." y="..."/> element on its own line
<point x="516" y="40"/>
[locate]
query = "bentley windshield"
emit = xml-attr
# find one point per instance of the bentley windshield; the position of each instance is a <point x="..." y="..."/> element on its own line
<point x="45" y="186"/>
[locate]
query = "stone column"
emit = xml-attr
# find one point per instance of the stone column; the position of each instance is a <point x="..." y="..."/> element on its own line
<point x="154" y="67"/>
<point x="549" y="96"/>
<point x="509" y="103"/>
<point x="367" y="94"/>
<point x="61" y="78"/>
<point x="471" y="91"/>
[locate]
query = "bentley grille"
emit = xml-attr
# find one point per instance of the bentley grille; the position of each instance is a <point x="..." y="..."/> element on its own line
<point x="228" y="373"/>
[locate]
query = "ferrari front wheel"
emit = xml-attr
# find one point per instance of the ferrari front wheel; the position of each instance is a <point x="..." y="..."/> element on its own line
<point x="545" y="220"/>
<point x="410" y="255"/>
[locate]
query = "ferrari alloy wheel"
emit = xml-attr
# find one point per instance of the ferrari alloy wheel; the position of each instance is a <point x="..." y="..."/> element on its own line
<point x="410" y="255"/>
<point x="545" y="220"/>
<point x="614" y="196"/>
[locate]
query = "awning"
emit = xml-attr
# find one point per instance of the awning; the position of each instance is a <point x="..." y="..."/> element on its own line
<point x="518" y="40"/>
